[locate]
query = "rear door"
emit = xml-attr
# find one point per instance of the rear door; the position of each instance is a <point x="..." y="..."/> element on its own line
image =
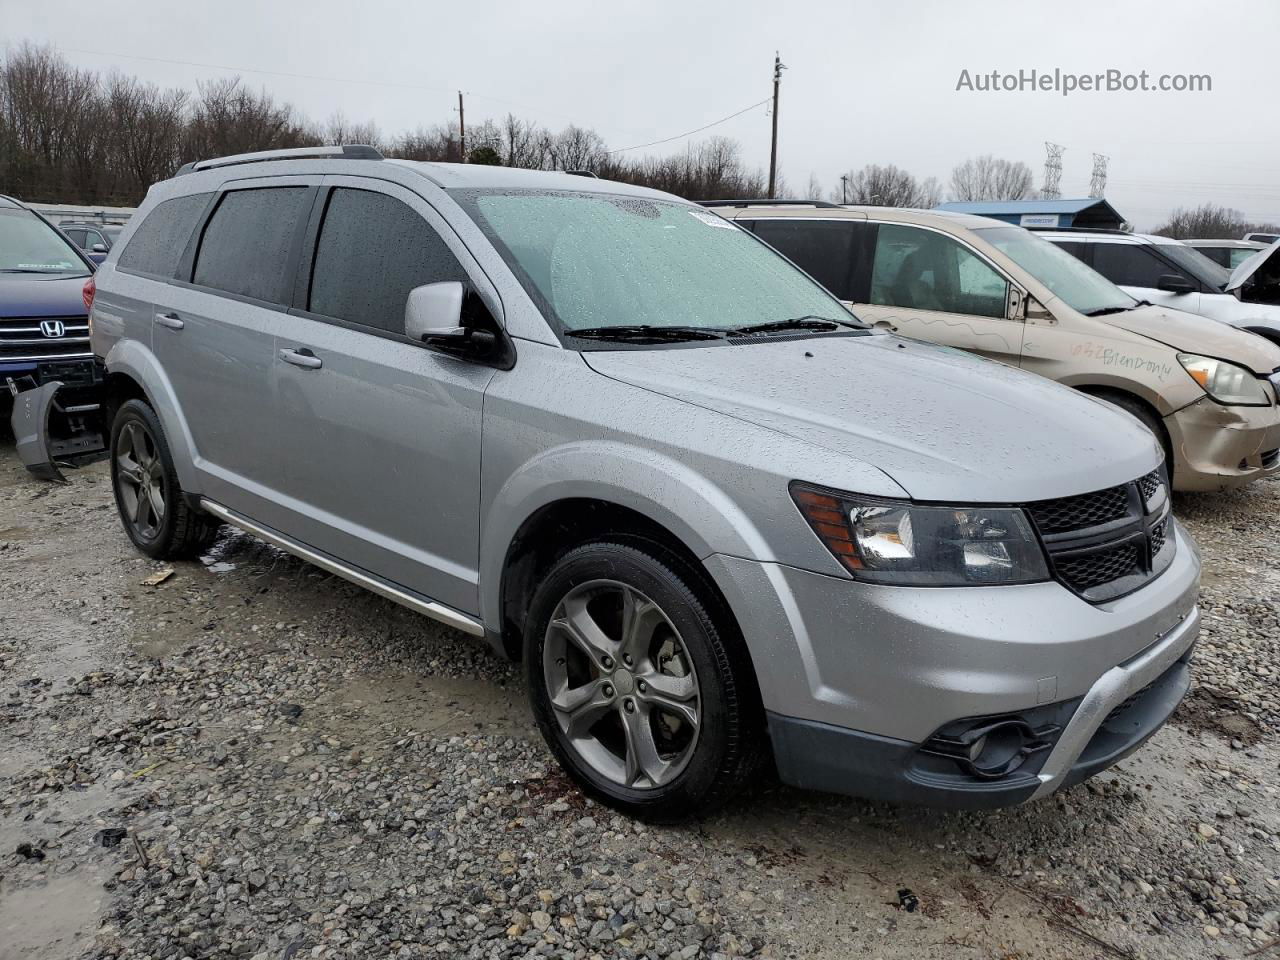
<point x="213" y="332"/>
<point x="929" y="285"/>
<point x="376" y="438"/>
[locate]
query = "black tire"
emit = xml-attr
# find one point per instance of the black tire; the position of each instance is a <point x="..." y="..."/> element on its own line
<point x="182" y="531"/>
<point x="730" y="733"/>
<point x="1144" y="415"/>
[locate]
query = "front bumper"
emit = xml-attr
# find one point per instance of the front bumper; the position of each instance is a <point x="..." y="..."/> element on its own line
<point x="56" y="420"/>
<point x="1217" y="447"/>
<point x="857" y="677"/>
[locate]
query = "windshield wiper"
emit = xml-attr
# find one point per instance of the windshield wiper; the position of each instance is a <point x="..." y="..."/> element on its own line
<point x="807" y="322"/>
<point x="644" y="333"/>
<point x="1106" y="311"/>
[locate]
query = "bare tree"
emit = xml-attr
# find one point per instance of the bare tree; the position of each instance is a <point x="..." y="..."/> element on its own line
<point x="576" y="148"/>
<point x="338" y="130"/>
<point x="1211" y="221"/>
<point x="890" y="186"/>
<point x="991" y="178"/>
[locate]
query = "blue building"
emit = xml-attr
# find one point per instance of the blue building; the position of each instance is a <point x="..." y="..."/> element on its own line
<point x="1092" y="213"/>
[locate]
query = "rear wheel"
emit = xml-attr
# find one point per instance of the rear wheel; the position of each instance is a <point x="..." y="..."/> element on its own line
<point x="635" y="687"/>
<point x="153" y="509"/>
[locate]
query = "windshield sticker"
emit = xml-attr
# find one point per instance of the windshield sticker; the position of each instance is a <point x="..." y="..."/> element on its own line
<point x="62" y="265"/>
<point x="711" y="220"/>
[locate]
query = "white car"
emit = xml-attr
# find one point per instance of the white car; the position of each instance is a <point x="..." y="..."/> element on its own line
<point x="1167" y="272"/>
<point x="1227" y="253"/>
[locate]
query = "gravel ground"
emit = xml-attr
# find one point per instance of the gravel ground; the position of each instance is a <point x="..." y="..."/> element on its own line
<point x="254" y="759"/>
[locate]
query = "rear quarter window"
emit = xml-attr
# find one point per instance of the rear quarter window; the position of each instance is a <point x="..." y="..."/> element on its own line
<point x="156" y="246"/>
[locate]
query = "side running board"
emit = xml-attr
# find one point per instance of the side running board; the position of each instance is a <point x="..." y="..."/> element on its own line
<point x="436" y="611"/>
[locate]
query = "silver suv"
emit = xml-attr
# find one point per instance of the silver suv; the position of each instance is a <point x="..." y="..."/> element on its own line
<point x="620" y="438"/>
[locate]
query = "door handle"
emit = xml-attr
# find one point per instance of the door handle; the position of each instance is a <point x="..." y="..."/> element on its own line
<point x="170" y="320"/>
<point x="301" y="358"/>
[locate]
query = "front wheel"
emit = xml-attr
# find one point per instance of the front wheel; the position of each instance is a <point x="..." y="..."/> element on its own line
<point x="637" y="689"/>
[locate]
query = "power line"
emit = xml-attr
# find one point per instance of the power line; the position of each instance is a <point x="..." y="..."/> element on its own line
<point x="689" y="133"/>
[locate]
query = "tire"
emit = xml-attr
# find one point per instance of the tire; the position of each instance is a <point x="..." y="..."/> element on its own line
<point x="167" y="527"/>
<point x="695" y="766"/>
<point x="1142" y="413"/>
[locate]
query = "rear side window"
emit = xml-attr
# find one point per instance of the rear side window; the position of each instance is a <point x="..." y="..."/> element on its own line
<point x="824" y="249"/>
<point x="157" y="245"/>
<point x="1076" y="248"/>
<point x="1130" y="265"/>
<point x="372" y="250"/>
<point x="245" y="248"/>
<point x="77" y="236"/>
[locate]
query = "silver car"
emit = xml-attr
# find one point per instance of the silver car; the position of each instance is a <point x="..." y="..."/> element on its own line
<point x="717" y="517"/>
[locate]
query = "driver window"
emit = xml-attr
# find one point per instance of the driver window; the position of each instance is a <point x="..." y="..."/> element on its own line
<point x="924" y="270"/>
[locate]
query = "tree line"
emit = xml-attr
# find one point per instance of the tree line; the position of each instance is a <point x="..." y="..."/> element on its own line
<point x="70" y="135"/>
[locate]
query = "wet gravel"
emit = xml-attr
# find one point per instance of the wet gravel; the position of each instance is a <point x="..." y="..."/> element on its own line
<point x="253" y="759"/>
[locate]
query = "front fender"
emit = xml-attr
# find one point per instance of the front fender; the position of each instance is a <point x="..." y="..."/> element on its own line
<point x="688" y="504"/>
<point x="136" y="361"/>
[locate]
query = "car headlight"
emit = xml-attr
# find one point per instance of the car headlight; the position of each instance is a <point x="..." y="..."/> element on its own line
<point x="890" y="541"/>
<point x="1225" y="382"/>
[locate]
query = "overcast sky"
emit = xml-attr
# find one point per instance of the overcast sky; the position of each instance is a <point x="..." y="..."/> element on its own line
<point x="867" y="82"/>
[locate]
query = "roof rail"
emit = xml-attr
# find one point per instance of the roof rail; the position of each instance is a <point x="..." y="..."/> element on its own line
<point x="348" y="151"/>
<point x="767" y="203"/>
<point x="582" y="173"/>
<point x="1036" y="229"/>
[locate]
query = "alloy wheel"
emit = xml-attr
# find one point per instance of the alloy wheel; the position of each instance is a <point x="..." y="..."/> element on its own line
<point x="140" y="479"/>
<point x="622" y="684"/>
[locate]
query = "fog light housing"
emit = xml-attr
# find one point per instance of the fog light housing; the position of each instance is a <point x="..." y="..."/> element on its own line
<point x="993" y="748"/>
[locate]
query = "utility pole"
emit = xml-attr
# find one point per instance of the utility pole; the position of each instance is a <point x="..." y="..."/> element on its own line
<point x="844" y="188"/>
<point x="462" y="128"/>
<point x="773" y="148"/>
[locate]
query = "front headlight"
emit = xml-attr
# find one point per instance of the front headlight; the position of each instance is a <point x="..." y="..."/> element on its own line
<point x="889" y="541"/>
<point x="1225" y="382"/>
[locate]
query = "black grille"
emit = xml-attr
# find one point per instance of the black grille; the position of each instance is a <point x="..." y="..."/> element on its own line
<point x="1270" y="458"/>
<point x="1149" y="484"/>
<point x="23" y="338"/>
<point x="1158" y="534"/>
<point x="1085" y="510"/>
<point x="1102" y="566"/>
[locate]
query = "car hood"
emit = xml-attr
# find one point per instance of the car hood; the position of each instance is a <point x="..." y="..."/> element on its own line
<point x="1192" y="333"/>
<point x="1249" y="267"/>
<point x="37" y="295"/>
<point x="945" y="425"/>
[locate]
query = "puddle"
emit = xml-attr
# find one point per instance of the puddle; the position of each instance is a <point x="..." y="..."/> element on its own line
<point x="55" y="921"/>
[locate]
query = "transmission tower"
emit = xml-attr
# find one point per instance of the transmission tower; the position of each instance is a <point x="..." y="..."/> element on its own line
<point x="1098" y="182"/>
<point x="1052" y="170"/>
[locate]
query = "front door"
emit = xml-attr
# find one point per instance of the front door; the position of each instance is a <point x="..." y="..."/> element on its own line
<point x="928" y="285"/>
<point x="377" y="438"/>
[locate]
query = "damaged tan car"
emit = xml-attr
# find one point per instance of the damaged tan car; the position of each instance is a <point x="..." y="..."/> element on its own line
<point x="1207" y="390"/>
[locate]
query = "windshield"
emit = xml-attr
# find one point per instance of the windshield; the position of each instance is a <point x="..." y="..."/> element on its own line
<point x="595" y="261"/>
<point x="1077" y="285"/>
<point x="29" y="245"/>
<point x="1196" y="264"/>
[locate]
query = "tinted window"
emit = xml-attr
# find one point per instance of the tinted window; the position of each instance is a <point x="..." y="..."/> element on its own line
<point x="824" y="249"/>
<point x="1076" y="248"/>
<point x="157" y="244"/>
<point x="1223" y="255"/>
<point x="1130" y="265"/>
<point x="77" y="236"/>
<point x="372" y="251"/>
<point x="245" y="248"/>
<point x="925" y="270"/>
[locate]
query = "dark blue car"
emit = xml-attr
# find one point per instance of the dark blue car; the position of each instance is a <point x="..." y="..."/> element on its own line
<point x="44" y="336"/>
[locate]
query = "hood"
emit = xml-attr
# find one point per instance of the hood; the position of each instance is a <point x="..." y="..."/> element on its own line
<point x="35" y="295"/>
<point x="945" y="425"/>
<point x="1249" y="267"/>
<point x="1192" y="333"/>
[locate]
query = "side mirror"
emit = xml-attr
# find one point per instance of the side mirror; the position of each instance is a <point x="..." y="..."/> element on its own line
<point x="98" y="248"/>
<point x="433" y="310"/>
<point x="433" y="315"/>
<point x="1172" y="283"/>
